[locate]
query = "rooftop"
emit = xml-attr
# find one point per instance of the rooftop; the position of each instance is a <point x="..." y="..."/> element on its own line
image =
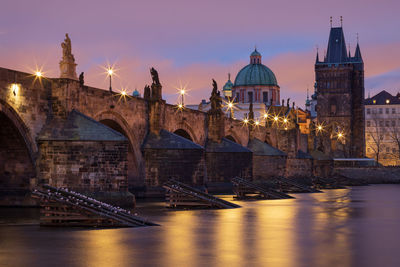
<point x="383" y="98"/>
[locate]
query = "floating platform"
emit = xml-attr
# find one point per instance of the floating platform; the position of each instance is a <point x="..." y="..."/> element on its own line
<point x="180" y="195"/>
<point x="245" y="189"/>
<point x="63" y="207"/>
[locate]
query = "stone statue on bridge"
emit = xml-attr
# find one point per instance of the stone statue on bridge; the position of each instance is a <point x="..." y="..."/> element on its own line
<point x="67" y="64"/>
<point x="156" y="93"/>
<point x="154" y="76"/>
<point x="215" y="98"/>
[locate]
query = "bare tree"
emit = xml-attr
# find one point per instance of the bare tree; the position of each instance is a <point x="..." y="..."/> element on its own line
<point x="375" y="136"/>
<point x="394" y="136"/>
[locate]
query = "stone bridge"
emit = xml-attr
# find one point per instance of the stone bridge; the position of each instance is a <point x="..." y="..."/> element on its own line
<point x="52" y="131"/>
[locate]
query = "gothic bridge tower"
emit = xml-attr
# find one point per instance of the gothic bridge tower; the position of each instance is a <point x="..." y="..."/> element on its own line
<point x="340" y="94"/>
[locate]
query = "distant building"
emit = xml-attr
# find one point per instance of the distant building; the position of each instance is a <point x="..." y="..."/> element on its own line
<point x="311" y="104"/>
<point x="254" y="83"/>
<point x="382" y="128"/>
<point x="339" y="81"/>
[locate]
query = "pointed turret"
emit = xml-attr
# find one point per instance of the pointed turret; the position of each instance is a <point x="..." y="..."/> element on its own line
<point x="357" y="55"/>
<point x="317" y="58"/>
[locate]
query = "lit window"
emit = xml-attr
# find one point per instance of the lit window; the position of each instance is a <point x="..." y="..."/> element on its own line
<point x="387" y="101"/>
<point x="374" y="101"/>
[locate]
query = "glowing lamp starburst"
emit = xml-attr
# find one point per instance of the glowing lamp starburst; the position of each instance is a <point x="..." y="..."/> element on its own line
<point x="230" y="105"/>
<point x="276" y="118"/>
<point x="182" y="92"/>
<point x="265" y="115"/>
<point x="257" y="123"/>
<point x="38" y="74"/>
<point x="110" y="71"/>
<point x="285" y="120"/>
<point x="15" y="88"/>
<point x="246" y="121"/>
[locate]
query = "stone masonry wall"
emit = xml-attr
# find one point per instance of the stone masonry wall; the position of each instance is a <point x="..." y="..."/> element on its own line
<point x="265" y="167"/>
<point x="185" y="165"/>
<point x="299" y="167"/>
<point x="222" y="167"/>
<point x="84" y="166"/>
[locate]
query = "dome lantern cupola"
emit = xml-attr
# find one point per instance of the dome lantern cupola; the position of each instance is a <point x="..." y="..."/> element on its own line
<point x="255" y="57"/>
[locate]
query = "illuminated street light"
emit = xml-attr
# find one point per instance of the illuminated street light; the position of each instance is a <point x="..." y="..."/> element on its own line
<point x="110" y="73"/>
<point x="276" y="118"/>
<point x="246" y="121"/>
<point x="15" y="88"/>
<point x="182" y="92"/>
<point x="257" y="122"/>
<point x="38" y="74"/>
<point x="285" y="120"/>
<point x="265" y="115"/>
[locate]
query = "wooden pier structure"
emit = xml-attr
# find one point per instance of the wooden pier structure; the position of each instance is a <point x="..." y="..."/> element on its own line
<point x="63" y="207"/>
<point x="290" y="185"/>
<point x="245" y="189"/>
<point x="180" y="195"/>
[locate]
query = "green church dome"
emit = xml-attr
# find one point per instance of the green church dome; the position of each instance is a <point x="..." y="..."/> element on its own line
<point x="228" y="85"/>
<point x="255" y="74"/>
<point x="136" y="93"/>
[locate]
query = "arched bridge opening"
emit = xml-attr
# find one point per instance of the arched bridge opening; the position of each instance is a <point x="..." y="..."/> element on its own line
<point x="184" y="134"/>
<point x="16" y="162"/>
<point x="231" y="138"/>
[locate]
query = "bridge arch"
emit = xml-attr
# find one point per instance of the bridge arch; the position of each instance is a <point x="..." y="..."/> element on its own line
<point x="231" y="135"/>
<point x="184" y="130"/>
<point x="183" y="133"/>
<point x="135" y="167"/>
<point x="231" y="138"/>
<point x="17" y="153"/>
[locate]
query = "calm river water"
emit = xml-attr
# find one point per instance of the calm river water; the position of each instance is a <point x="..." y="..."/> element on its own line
<point x="348" y="227"/>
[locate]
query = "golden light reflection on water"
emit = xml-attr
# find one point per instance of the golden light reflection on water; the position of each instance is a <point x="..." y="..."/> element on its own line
<point x="331" y="229"/>
<point x="229" y="237"/>
<point x="179" y="238"/>
<point x="104" y="248"/>
<point x="311" y="230"/>
<point x="276" y="243"/>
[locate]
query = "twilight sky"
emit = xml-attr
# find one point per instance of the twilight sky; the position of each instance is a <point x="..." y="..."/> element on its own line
<point x="191" y="42"/>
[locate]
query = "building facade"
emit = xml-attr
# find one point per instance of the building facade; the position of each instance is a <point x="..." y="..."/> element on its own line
<point x="382" y="128"/>
<point x="340" y="98"/>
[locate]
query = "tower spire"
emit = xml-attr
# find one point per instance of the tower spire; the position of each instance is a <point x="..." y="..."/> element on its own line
<point x="357" y="54"/>
<point x="341" y="21"/>
<point x="331" y="21"/>
<point x="317" y="59"/>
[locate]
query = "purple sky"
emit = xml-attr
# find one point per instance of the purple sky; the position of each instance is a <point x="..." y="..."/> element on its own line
<point x="191" y="42"/>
